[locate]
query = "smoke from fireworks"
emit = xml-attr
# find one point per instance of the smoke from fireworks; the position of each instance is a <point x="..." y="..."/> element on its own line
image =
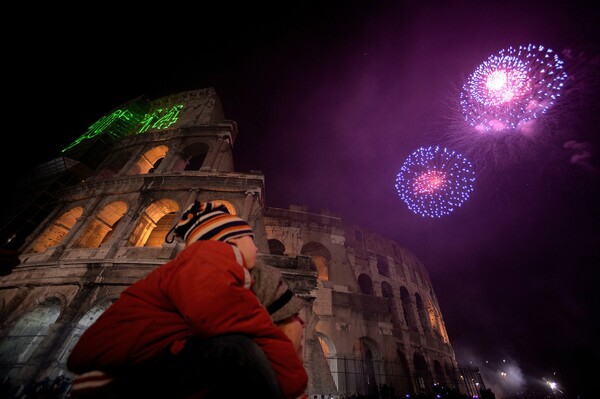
<point x="434" y="181"/>
<point x="512" y="88"/>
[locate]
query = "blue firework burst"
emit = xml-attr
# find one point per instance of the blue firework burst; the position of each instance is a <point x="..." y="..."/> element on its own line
<point x="434" y="181"/>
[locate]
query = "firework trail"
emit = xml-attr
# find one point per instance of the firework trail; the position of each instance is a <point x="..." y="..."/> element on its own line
<point x="511" y="88"/>
<point x="434" y="181"/>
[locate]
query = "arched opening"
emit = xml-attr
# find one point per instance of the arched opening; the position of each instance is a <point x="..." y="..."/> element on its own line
<point x="404" y="386"/>
<point x="421" y="312"/>
<point x="330" y="354"/>
<point x="99" y="229"/>
<point x="154" y="223"/>
<point x="366" y="284"/>
<point x="369" y="356"/>
<point x="148" y="160"/>
<point x="438" y="374"/>
<point x="57" y="230"/>
<point x="194" y="155"/>
<point x="321" y="258"/>
<point x="407" y="308"/>
<point x="422" y="378"/>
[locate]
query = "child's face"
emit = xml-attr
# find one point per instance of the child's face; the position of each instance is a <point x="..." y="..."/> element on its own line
<point x="248" y="250"/>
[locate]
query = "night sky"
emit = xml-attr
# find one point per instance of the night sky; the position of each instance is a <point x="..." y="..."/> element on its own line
<point x="330" y="98"/>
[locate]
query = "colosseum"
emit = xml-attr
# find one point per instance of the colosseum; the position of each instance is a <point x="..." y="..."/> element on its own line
<point x="104" y="206"/>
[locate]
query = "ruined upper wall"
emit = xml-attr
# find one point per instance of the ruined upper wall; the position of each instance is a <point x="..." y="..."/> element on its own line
<point x="197" y="107"/>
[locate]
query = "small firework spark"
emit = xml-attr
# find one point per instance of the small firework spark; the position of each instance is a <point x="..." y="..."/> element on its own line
<point x="434" y="181"/>
<point x="512" y="88"/>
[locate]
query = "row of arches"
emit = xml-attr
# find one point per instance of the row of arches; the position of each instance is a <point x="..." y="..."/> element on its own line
<point x="150" y="227"/>
<point x="417" y="313"/>
<point x="359" y="372"/>
<point x="389" y="256"/>
<point x="150" y="231"/>
<point x="365" y="371"/>
<point x="426" y="316"/>
<point x="192" y="157"/>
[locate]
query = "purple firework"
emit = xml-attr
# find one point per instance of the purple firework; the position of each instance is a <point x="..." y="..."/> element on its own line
<point x="512" y="88"/>
<point x="435" y="181"/>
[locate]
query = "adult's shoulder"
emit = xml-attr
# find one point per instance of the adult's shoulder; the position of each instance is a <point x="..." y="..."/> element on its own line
<point x="274" y="293"/>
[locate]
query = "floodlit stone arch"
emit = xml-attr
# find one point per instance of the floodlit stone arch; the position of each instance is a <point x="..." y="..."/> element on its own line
<point x="57" y="230"/>
<point x="320" y="256"/>
<point x="149" y="160"/>
<point x="101" y="226"/>
<point x="330" y="353"/>
<point x="436" y="321"/>
<point x="154" y="223"/>
<point x="326" y="344"/>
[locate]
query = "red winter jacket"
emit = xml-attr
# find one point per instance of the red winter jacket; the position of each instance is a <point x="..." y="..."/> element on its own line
<point x="203" y="292"/>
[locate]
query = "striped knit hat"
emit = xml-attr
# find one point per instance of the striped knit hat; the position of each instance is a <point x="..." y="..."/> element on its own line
<point x="210" y="221"/>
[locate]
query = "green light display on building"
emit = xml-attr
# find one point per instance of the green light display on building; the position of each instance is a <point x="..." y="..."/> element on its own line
<point x="123" y="122"/>
<point x="116" y="124"/>
<point x="160" y="118"/>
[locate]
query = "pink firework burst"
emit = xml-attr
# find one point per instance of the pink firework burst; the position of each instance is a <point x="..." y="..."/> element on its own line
<point x="512" y="88"/>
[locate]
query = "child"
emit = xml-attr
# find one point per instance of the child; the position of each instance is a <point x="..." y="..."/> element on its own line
<point x="193" y="327"/>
